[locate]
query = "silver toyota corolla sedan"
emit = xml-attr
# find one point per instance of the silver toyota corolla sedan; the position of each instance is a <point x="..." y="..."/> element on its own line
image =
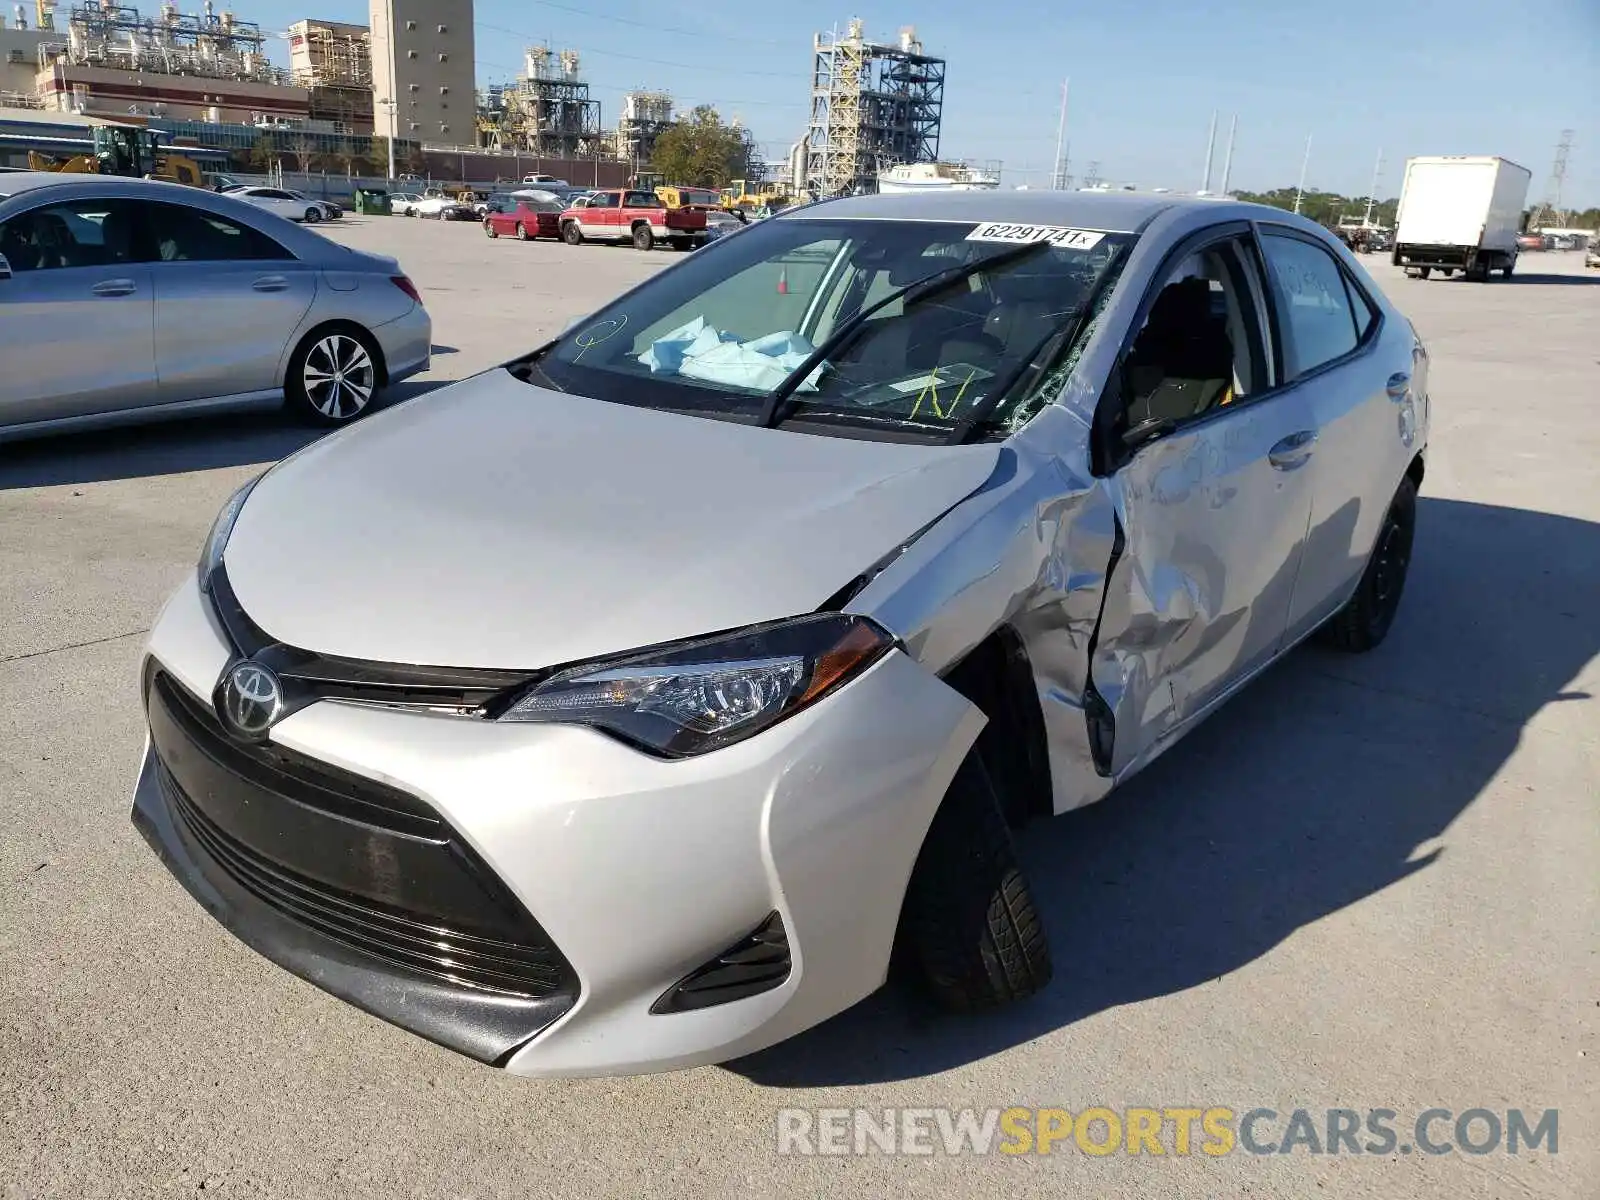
<point x="739" y="628"/>
<point x="126" y="299"/>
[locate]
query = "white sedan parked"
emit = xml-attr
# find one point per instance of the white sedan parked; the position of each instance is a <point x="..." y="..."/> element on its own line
<point x="296" y="206"/>
<point x="798" y="579"/>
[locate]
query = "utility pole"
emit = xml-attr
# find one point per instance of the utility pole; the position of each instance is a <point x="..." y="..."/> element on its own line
<point x="1058" y="180"/>
<point x="1211" y="150"/>
<point x="1300" y="189"/>
<point x="1227" y="162"/>
<point x="1372" y="193"/>
<point x="390" y="105"/>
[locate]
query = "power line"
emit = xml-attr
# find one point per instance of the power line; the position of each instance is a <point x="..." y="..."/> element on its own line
<point x="664" y="62"/>
<point x="649" y="25"/>
<point x="625" y="88"/>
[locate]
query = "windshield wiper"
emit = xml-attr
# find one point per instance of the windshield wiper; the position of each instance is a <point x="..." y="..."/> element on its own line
<point x="525" y="368"/>
<point x="912" y="293"/>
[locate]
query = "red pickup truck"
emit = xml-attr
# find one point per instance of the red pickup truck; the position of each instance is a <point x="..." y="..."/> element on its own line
<point x="639" y="217"/>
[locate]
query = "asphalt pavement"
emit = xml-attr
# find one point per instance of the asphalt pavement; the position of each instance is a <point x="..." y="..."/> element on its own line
<point x="1369" y="883"/>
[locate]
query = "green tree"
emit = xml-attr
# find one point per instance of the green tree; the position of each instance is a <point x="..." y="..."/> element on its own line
<point x="1326" y="208"/>
<point x="701" y="151"/>
<point x="265" y="152"/>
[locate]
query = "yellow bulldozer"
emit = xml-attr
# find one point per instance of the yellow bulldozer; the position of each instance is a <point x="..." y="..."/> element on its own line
<point x="740" y="194"/>
<point x="132" y="151"/>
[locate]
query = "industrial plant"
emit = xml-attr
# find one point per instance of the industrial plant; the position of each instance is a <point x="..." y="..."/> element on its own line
<point x="404" y="82"/>
<point x="873" y="107"/>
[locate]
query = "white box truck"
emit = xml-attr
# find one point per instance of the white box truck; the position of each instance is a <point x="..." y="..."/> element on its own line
<point x="1460" y="213"/>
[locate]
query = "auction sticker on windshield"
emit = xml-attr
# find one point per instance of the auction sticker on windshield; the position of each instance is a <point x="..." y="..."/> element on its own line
<point x="1059" y="235"/>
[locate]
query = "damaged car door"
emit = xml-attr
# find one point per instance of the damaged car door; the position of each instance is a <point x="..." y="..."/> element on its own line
<point x="1207" y="464"/>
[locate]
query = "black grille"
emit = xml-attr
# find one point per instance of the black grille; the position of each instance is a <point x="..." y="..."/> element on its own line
<point x="368" y="865"/>
<point x="283" y="772"/>
<point x="396" y="937"/>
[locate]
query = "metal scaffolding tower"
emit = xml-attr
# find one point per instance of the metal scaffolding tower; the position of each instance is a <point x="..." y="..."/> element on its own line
<point x="548" y="112"/>
<point x="872" y="106"/>
<point x="1551" y="212"/>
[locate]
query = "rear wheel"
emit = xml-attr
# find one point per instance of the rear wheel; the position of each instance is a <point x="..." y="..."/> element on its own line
<point x="333" y="375"/>
<point x="522" y="232"/>
<point x="1364" y="622"/>
<point x="969" y="921"/>
<point x="643" y="239"/>
<point x="571" y="234"/>
<point x="312" y="216"/>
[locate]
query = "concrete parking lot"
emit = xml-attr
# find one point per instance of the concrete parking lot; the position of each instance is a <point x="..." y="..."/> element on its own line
<point x="1368" y="883"/>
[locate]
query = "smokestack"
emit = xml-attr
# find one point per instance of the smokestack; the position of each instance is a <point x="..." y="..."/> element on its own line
<point x="1211" y="150"/>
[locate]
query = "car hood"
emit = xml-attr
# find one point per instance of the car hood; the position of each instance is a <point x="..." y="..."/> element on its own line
<point x="496" y="524"/>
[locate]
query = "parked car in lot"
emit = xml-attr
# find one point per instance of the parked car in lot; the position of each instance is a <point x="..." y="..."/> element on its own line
<point x="442" y="207"/>
<point x="720" y="223"/>
<point x="1530" y="241"/>
<point x="524" y="217"/>
<point x="1011" y="491"/>
<point x="283" y="202"/>
<point x="404" y="204"/>
<point x="1591" y="256"/>
<point x="623" y="215"/>
<point x="122" y="299"/>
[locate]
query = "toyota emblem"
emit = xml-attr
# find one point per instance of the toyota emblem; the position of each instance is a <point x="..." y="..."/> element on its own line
<point x="250" y="700"/>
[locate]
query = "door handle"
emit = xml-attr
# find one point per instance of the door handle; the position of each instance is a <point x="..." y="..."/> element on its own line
<point x="1399" y="385"/>
<point x="115" y="287"/>
<point x="270" y="283"/>
<point x="1293" y="451"/>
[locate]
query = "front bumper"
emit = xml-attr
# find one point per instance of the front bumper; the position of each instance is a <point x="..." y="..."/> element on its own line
<point x="634" y="871"/>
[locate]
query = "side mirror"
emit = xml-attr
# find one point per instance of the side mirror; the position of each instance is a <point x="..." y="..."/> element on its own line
<point x="5" y="268"/>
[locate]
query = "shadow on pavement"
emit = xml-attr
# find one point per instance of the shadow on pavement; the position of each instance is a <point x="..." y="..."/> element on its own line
<point x="1557" y="280"/>
<point x="1324" y="782"/>
<point x="171" y="447"/>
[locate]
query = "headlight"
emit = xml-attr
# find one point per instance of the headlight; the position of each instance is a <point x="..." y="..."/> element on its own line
<point x="221" y="530"/>
<point x="710" y="693"/>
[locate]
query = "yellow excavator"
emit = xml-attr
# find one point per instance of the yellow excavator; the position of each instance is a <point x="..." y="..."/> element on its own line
<point x="132" y="151"/>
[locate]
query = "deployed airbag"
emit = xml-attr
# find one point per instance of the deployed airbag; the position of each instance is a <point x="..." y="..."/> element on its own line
<point x="700" y="351"/>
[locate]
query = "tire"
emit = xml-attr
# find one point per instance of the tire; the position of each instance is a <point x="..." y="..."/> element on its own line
<point x="333" y="375"/>
<point x="969" y="921"/>
<point x="1424" y="272"/>
<point x="488" y="228"/>
<point x="522" y="233"/>
<point x="643" y="238"/>
<point x="312" y="216"/>
<point x="1505" y="271"/>
<point x="1364" y="622"/>
<point x="571" y="234"/>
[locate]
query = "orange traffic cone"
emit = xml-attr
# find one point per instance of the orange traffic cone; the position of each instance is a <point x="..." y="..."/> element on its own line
<point x="783" y="281"/>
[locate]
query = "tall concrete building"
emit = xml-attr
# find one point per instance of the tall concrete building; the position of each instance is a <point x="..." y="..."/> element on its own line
<point x="424" y="87"/>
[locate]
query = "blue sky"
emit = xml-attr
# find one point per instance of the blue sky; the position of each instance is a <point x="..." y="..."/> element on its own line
<point x="1413" y="77"/>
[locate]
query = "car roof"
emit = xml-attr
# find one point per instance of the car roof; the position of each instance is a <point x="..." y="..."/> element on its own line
<point x="1113" y="212"/>
<point x="23" y="190"/>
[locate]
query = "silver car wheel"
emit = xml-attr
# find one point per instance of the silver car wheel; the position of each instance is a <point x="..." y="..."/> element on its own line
<point x="339" y="377"/>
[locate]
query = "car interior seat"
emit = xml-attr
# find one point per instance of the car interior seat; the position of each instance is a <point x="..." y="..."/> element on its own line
<point x="16" y="243"/>
<point x="1029" y="306"/>
<point x="944" y="328"/>
<point x="116" y="233"/>
<point x="1182" y="361"/>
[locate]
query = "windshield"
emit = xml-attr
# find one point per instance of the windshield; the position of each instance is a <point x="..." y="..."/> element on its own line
<point x="724" y="333"/>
